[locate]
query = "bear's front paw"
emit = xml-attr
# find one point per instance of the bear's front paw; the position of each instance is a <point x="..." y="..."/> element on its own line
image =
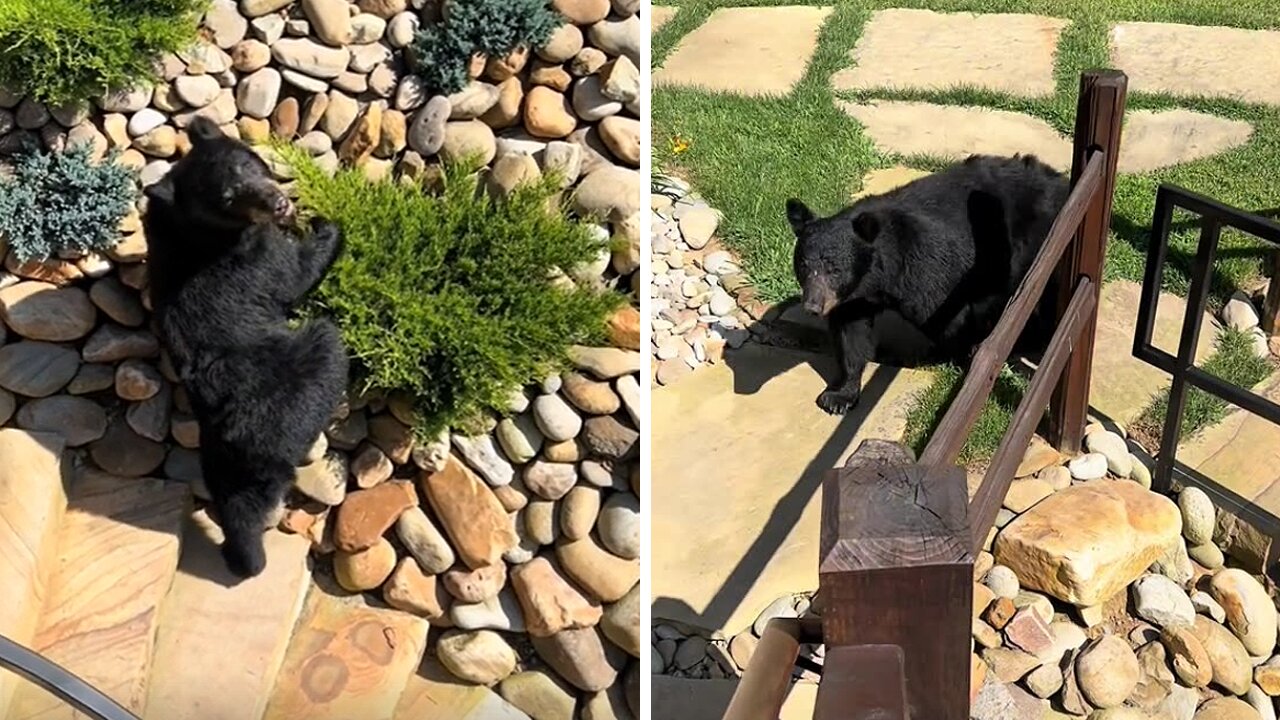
<point x="321" y="226"/>
<point x="836" y="402"/>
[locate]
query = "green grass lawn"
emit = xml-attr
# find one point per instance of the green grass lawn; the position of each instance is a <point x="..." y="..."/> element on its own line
<point x="748" y="155"/>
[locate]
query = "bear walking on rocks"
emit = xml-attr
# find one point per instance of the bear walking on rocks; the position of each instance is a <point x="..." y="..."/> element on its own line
<point x="944" y="253"/>
<point x="226" y="271"/>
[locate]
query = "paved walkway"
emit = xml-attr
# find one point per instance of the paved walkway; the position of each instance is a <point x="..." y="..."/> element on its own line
<point x="1012" y="54"/>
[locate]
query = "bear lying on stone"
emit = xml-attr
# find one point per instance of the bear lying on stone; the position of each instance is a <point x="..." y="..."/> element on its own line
<point x="226" y="271"/>
<point x="944" y="253"/>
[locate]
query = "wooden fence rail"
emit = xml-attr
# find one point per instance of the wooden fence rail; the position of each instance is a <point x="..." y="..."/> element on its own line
<point x="898" y="538"/>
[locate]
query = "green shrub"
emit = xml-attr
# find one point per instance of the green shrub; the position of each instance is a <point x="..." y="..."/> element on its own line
<point x="442" y="51"/>
<point x="64" y="201"/>
<point x="449" y="297"/>
<point x="59" y="51"/>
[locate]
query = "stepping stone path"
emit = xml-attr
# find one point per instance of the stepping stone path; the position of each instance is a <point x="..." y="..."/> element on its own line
<point x="926" y="50"/>
<point x="1190" y="60"/>
<point x="659" y="15"/>
<point x="774" y="42"/>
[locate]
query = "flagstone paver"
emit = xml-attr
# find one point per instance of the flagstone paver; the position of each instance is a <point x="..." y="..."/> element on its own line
<point x="1153" y="140"/>
<point x="686" y="698"/>
<point x="946" y="131"/>
<point x="659" y="15"/>
<point x="1242" y="453"/>
<point x="879" y="182"/>
<point x="435" y="693"/>
<point x="1190" y="60"/>
<point x="903" y="49"/>
<point x="750" y="51"/>
<point x="752" y="459"/>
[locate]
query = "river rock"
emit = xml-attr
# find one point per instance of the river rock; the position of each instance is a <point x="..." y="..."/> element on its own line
<point x="1251" y="615"/>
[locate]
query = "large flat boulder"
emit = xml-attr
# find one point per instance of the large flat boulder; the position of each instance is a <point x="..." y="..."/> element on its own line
<point x="1086" y="543"/>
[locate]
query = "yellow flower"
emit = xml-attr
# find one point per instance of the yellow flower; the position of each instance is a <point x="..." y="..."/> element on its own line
<point x="679" y="145"/>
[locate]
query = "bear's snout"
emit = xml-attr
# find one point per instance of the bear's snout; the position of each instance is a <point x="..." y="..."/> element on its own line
<point x="818" y="296"/>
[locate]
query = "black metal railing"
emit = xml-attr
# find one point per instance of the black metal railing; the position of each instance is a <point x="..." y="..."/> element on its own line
<point x="1213" y="217"/>
<point x="70" y="689"/>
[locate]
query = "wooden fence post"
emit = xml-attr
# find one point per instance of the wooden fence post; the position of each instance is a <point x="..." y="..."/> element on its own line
<point x="896" y="569"/>
<point x="1099" y="115"/>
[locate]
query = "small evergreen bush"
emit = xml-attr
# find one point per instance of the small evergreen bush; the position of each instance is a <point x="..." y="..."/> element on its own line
<point x="450" y="297"/>
<point x="64" y="201"/>
<point x="58" y="51"/>
<point x="441" y="52"/>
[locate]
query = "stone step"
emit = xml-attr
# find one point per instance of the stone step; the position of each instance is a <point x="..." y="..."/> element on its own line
<point x="222" y="641"/>
<point x="675" y="697"/>
<point x="433" y="692"/>
<point x="346" y="659"/>
<point x="117" y="553"/>
<point x="33" y="499"/>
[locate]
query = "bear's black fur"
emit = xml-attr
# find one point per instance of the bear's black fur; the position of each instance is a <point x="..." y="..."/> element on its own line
<point x="226" y="271"/>
<point x="944" y="253"/>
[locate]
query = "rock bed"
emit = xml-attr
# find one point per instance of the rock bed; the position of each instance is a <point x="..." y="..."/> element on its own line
<point x="698" y="290"/>
<point x="519" y="544"/>
<point x="1094" y="597"/>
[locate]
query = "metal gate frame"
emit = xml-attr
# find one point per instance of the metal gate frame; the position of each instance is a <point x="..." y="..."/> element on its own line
<point x="1214" y="216"/>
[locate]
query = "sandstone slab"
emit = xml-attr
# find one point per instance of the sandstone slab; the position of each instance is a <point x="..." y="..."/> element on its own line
<point x="1086" y="543"/>
<point x="209" y="614"/>
<point x="775" y="42"/>
<point x="659" y="15"/>
<point x="347" y="660"/>
<point x="1153" y="140"/>
<point x="117" y="555"/>
<point x="1008" y="53"/>
<point x="33" y="498"/>
<point x="953" y="132"/>
<point x="434" y="692"/>
<point x="1191" y="60"/>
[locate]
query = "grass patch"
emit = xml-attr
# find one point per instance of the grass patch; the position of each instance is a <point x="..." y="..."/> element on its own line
<point x="59" y="51"/>
<point x="449" y="297"/>
<point x="990" y="428"/>
<point x="1234" y="361"/>
<point x="747" y="156"/>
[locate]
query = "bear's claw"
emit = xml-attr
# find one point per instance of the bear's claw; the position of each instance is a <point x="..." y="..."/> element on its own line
<point x="835" y="402"/>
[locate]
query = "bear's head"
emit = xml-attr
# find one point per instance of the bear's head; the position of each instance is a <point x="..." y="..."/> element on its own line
<point x="222" y="183"/>
<point x="832" y="255"/>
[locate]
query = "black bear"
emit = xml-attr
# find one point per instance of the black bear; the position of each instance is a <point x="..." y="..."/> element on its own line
<point x="226" y="271"/>
<point x="943" y="253"/>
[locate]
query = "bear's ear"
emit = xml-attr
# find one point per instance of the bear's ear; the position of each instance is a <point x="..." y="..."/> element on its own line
<point x="867" y="226"/>
<point x="161" y="191"/>
<point x="798" y="214"/>
<point x="202" y="130"/>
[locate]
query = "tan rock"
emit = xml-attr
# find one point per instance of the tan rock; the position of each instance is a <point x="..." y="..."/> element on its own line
<point x="549" y="602"/>
<point x="482" y="657"/>
<point x="43" y="311"/>
<point x="471" y="515"/>
<point x="1230" y="661"/>
<point x="366" y="514"/>
<point x="1227" y="708"/>
<point x="624" y="328"/>
<point x="1267" y="677"/>
<point x="1190" y="660"/>
<point x="347" y="660"/>
<point x="475" y="586"/>
<point x="621" y="623"/>
<point x="1086" y="543"/>
<point x="392" y="437"/>
<point x="411" y="590"/>
<point x="622" y="136"/>
<point x="1039" y="455"/>
<point x="548" y="114"/>
<point x="1251" y="615"/>
<point x="364" y="136"/>
<point x="506" y="111"/>
<point x="582" y="12"/>
<point x="580" y="657"/>
<point x="393" y="138"/>
<point x="365" y="569"/>
<point x="605" y="576"/>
